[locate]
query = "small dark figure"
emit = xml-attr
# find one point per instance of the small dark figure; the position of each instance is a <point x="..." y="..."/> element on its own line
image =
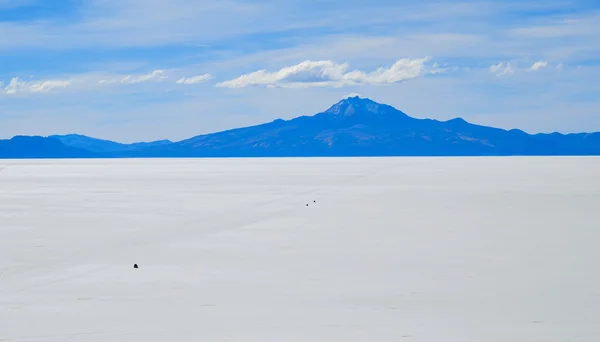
<point x="135" y="266"/>
<point x="315" y="201"/>
<point x="307" y="204"/>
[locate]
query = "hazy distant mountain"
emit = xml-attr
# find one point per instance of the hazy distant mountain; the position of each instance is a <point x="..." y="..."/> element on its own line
<point x="361" y="127"/>
<point x="40" y="147"/>
<point x="352" y="127"/>
<point x="102" y="146"/>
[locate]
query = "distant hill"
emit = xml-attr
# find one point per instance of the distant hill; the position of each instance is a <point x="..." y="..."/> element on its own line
<point x="40" y="147"/>
<point x="104" y="146"/>
<point x="352" y="127"/>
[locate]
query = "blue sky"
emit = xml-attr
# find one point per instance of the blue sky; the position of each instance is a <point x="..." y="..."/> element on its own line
<point x="133" y="70"/>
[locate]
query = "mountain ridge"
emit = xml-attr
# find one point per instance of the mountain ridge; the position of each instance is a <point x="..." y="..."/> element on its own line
<point x="103" y="145"/>
<point x="351" y="127"/>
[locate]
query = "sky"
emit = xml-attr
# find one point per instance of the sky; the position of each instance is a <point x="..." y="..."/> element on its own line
<point x="141" y="70"/>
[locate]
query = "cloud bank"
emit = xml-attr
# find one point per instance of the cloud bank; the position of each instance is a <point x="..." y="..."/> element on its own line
<point x="307" y="74"/>
<point x="330" y="74"/>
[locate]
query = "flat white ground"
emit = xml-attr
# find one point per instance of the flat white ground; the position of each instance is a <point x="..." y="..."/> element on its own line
<point x="398" y="249"/>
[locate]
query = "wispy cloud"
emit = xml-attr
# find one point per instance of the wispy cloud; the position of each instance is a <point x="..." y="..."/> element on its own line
<point x="330" y="74"/>
<point x="502" y="69"/>
<point x="87" y="81"/>
<point x="16" y="85"/>
<point x="509" y="68"/>
<point x="585" y="25"/>
<point x="156" y="75"/>
<point x="195" y="79"/>
<point x="112" y="79"/>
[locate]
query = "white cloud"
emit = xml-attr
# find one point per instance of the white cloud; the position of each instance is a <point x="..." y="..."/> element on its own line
<point x="195" y="79"/>
<point x="156" y="75"/>
<point x="17" y="85"/>
<point x="330" y="74"/>
<point x="506" y="68"/>
<point x="45" y="86"/>
<point x="538" y="65"/>
<point x="87" y="81"/>
<point x="502" y="69"/>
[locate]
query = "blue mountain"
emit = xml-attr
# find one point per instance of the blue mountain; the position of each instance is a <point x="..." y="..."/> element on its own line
<point x="361" y="127"/>
<point x="40" y="147"/>
<point x="104" y="146"/>
<point x="352" y="127"/>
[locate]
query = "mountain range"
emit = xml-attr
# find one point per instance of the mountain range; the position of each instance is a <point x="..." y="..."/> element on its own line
<point x="352" y="127"/>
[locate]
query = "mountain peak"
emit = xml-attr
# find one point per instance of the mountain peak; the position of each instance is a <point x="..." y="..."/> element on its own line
<point x="351" y="105"/>
<point x="358" y="105"/>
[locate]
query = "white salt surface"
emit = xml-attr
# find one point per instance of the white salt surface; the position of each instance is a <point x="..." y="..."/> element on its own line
<point x="398" y="249"/>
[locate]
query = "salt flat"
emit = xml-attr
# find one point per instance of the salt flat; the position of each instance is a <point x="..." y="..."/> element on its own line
<point x="393" y="249"/>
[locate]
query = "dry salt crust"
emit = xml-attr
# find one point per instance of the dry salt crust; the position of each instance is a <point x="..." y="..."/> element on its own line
<point x="393" y="249"/>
